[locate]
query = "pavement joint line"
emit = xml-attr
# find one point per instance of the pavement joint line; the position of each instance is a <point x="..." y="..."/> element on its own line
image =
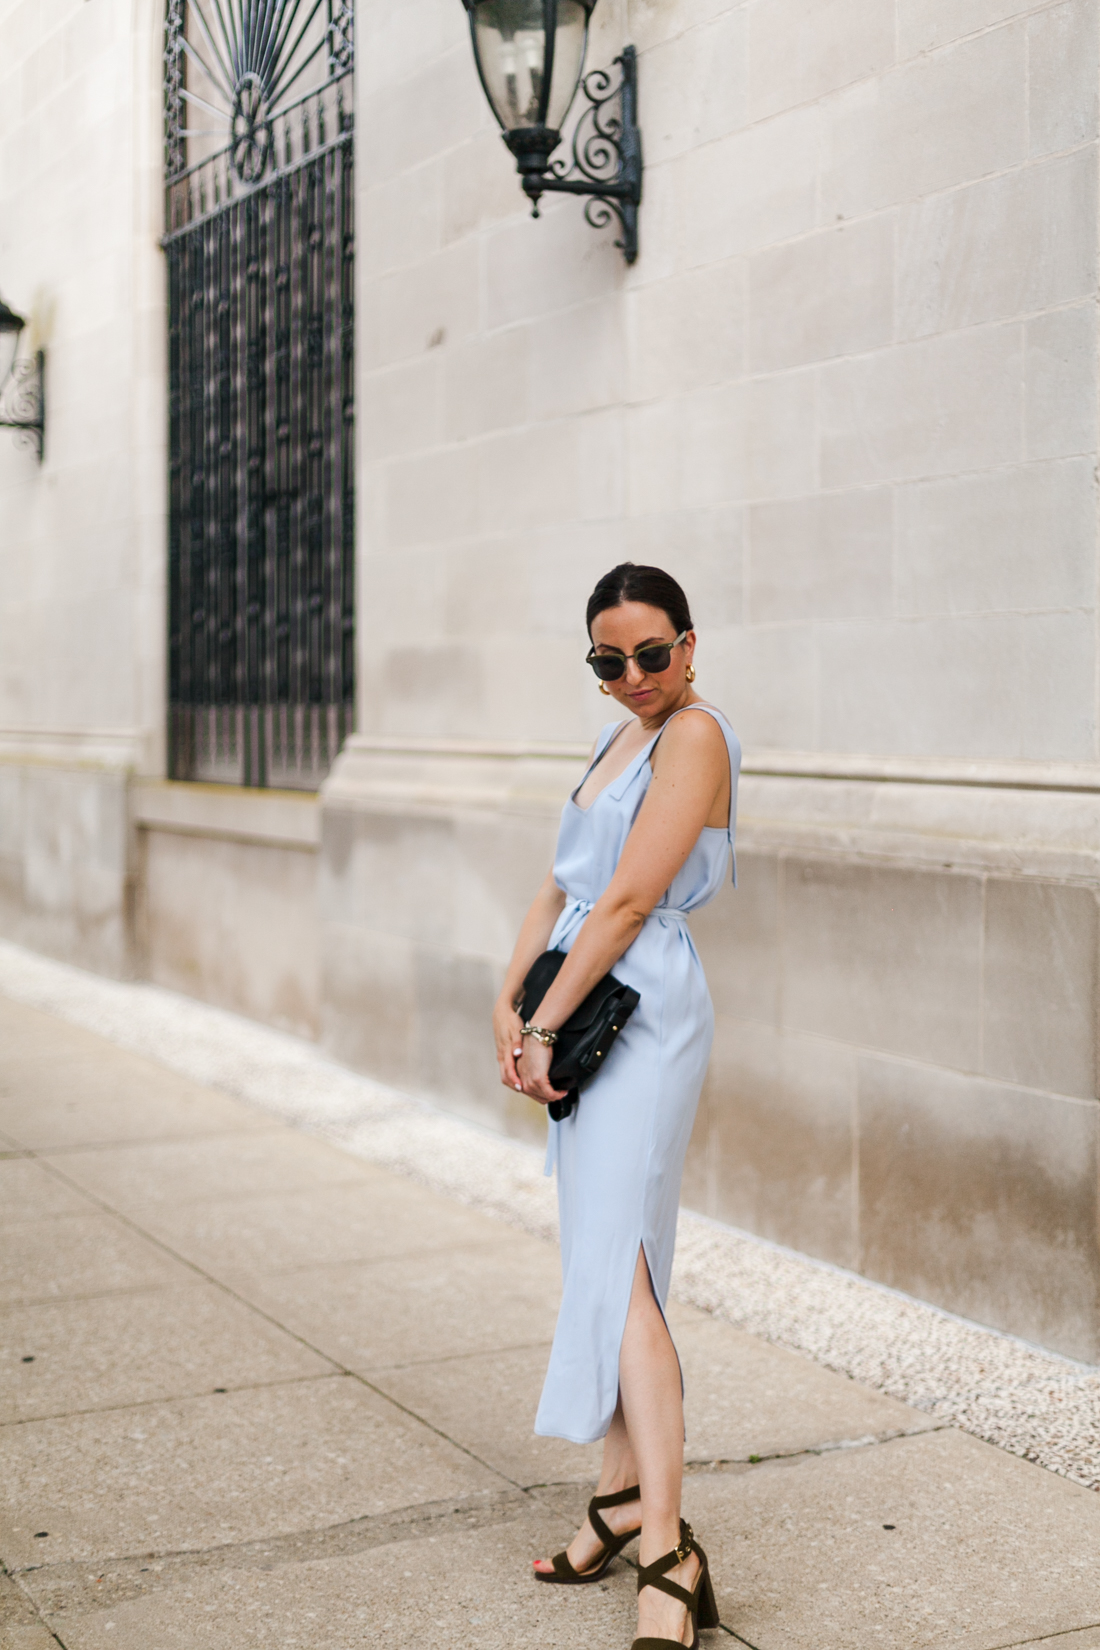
<point x="829" y="1447"/>
<point x="176" y="1398"/>
<point x="29" y="1597"/>
<point x="81" y="1147"/>
<point x="286" y="1330"/>
<point x="73" y="1584"/>
<point x="1048" y="1638"/>
<point x="124" y="1290"/>
<point x="458" y="1357"/>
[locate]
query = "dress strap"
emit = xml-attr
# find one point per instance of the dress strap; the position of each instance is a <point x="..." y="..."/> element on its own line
<point x="616" y="729"/>
<point x="732" y="744"/>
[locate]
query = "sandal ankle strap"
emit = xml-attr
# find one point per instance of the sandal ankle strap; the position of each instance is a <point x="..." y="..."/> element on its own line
<point x="655" y="1574"/>
<point x="618" y="1499"/>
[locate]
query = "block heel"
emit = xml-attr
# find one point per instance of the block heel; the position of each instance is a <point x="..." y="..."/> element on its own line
<point x="700" y="1603"/>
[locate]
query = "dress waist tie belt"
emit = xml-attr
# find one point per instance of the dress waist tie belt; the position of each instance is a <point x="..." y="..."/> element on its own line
<point x="574" y="914"/>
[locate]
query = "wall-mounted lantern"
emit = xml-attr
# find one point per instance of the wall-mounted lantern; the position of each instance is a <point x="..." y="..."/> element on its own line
<point x="22" y="385"/>
<point x="530" y="55"/>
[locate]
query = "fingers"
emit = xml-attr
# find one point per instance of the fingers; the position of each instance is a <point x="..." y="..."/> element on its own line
<point x="507" y="1055"/>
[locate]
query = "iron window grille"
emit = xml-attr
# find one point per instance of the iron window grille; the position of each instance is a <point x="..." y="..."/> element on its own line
<point x="260" y="249"/>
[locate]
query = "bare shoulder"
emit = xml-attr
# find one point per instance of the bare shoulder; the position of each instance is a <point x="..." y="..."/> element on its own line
<point x="696" y="739"/>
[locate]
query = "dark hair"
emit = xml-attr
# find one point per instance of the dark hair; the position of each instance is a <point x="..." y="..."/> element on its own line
<point x="650" y="585"/>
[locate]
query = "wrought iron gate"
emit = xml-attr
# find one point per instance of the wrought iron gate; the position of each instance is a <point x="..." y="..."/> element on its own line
<point x="260" y="249"/>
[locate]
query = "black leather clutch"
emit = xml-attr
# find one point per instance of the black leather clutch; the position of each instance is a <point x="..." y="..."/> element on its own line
<point x="585" y="1040"/>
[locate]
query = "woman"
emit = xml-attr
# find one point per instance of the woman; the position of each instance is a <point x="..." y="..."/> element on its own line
<point x="645" y="839"/>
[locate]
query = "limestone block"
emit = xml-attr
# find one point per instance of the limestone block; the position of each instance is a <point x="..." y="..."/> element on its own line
<point x="1063" y="86"/>
<point x="737" y="936"/>
<point x="65" y="871"/>
<point x="454" y="1054"/>
<point x="578" y="359"/>
<point x="1039" y="988"/>
<point x="536" y="268"/>
<point x="433" y="302"/>
<point x="481" y="186"/>
<point x="932" y="124"/>
<point x="368" y="1002"/>
<point x="766" y="679"/>
<point x="829" y="294"/>
<point x="1060" y="383"/>
<point x="653" y="21"/>
<point x="1008" y="540"/>
<point x="751" y="440"/>
<point x="431" y="496"/>
<point x="1022" y="677"/>
<point x="398" y="42"/>
<point x="749" y="190"/>
<point x="688" y="331"/>
<point x="233" y="923"/>
<point x="926" y="24"/>
<point x="884" y="958"/>
<point x="703" y="549"/>
<point x="800" y="51"/>
<point x="487" y="383"/>
<point x="402" y="410"/>
<point x="693" y="86"/>
<point x="400" y="222"/>
<point x="529" y="476"/>
<point x="982" y="1198"/>
<point x="781" y="1114"/>
<point x="931" y="408"/>
<point x="1002" y="247"/>
<point x="824" y="557"/>
<point x="653" y="445"/>
<point x="404" y="122"/>
<point x="601" y="466"/>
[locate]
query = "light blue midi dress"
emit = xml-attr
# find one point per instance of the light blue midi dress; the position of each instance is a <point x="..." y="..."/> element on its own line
<point x="620" y="1155"/>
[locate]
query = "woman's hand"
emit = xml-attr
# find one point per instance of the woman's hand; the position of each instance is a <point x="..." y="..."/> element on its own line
<point x="534" y="1068"/>
<point x="507" y="1026"/>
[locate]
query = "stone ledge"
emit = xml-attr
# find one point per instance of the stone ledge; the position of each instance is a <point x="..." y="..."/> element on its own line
<point x="119" y="750"/>
<point x="1017" y="819"/>
<point x="285" y="819"/>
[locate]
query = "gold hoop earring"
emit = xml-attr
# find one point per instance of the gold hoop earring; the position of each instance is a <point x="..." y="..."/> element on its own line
<point x="690" y="673"/>
<point x="604" y="689"/>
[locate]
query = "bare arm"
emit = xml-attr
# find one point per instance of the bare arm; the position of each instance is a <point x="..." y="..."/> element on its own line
<point x="690" y="766"/>
<point x="546" y="908"/>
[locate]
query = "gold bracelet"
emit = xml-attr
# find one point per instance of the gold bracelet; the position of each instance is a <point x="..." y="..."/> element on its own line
<point x="546" y="1038"/>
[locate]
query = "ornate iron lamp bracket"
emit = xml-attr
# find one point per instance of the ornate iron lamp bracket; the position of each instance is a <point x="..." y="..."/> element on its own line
<point x="607" y="154"/>
<point x="23" y="402"/>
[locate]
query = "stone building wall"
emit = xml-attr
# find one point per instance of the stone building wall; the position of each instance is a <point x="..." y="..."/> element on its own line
<point x="81" y="536"/>
<point x="847" y="394"/>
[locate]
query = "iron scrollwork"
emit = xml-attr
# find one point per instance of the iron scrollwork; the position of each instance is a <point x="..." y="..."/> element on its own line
<point x="607" y="154"/>
<point x="23" y="403"/>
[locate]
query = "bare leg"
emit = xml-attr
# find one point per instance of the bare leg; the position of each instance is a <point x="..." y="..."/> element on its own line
<point x="652" y="1406"/>
<point x="619" y="1470"/>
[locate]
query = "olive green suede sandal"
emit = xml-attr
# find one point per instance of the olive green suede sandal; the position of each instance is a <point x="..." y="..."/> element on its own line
<point x="563" y="1572"/>
<point x="700" y="1602"/>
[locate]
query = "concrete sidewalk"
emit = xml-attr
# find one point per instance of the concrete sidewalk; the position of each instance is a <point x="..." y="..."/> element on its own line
<point x="256" y="1392"/>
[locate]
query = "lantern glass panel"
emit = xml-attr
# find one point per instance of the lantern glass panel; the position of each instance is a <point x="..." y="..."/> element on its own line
<point x="511" y="48"/>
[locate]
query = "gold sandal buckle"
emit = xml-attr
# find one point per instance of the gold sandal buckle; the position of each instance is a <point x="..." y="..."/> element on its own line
<point x="683" y="1551"/>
